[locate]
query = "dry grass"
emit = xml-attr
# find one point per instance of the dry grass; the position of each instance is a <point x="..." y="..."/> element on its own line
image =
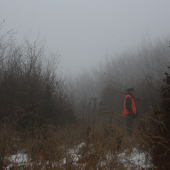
<point x="49" y="147"/>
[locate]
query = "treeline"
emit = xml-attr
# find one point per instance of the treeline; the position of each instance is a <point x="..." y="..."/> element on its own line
<point x="142" y="68"/>
<point x="31" y="86"/>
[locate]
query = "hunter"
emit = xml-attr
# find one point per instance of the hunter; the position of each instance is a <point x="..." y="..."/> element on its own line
<point x="129" y="109"/>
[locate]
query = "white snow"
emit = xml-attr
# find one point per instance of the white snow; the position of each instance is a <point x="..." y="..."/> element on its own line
<point x="19" y="158"/>
<point x="135" y="158"/>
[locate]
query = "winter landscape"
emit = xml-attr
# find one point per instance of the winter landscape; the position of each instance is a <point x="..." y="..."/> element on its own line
<point x="84" y="85"/>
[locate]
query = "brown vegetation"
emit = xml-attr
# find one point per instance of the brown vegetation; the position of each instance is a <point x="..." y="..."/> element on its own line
<point x="97" y="146"/>
<point x="37" y="111"/>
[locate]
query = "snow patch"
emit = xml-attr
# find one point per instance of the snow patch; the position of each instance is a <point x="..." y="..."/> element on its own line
<point x="133" y="158"/>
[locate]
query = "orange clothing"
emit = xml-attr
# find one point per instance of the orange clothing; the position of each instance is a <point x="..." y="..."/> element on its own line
<point x="133" y="106"/>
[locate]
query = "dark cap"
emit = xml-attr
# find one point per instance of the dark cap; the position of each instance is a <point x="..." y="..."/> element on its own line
<point x="130" y="89"/>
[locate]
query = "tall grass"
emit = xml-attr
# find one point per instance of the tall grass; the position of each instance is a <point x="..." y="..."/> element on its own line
<point x="77" y="146"/>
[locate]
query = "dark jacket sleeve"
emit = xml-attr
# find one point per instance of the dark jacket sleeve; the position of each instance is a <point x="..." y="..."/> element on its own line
<point x="128" y="104"/>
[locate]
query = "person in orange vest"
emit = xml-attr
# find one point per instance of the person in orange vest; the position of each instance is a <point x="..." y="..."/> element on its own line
<point x="129" y="109"/>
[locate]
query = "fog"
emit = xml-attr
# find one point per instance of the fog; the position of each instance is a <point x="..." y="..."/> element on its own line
<point x="83" y="33"/>
<point x="71" y="112"/>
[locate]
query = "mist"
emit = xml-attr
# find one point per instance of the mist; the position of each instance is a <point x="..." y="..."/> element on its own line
<point x="83" y="33"/>
<point x="84" y="84"/>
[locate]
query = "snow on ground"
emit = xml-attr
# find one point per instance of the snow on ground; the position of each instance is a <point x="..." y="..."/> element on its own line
<point x="74" y="153"/>
<point x="19" y="159"/>
<point x="140" y="159"/>
<point x="137" y="158"/>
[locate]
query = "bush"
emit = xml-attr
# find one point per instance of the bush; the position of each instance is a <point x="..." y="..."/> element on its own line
<point x="156" y="129"/>
<point x="31" y="89"/>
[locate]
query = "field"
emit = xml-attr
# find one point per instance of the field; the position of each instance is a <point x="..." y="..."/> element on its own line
<point x="81" y="146"/>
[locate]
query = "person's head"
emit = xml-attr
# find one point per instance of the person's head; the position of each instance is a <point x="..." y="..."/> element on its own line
<point x="130" y="91"/>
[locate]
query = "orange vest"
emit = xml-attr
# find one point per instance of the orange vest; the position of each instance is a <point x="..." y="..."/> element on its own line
<point x="125" y="111"/>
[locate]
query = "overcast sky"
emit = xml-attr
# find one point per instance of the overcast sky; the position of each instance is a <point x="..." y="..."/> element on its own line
<point x="83" y="32"/>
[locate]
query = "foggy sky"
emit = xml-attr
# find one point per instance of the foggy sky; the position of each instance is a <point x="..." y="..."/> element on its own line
<point x="83" y="32"/>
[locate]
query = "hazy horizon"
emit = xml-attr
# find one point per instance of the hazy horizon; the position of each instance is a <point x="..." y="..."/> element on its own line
<point x="83" y="33"/>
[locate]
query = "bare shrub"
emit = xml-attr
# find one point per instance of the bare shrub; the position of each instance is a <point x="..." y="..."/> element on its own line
<point x="157" y="129"/>
<point x="31" y="87"/>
